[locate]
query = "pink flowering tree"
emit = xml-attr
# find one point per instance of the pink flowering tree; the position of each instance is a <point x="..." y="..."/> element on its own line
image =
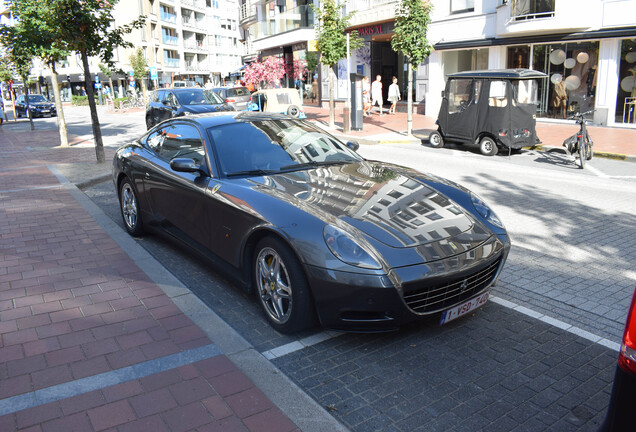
<point x="297" y="70"/>
<point x="265" y="74"/>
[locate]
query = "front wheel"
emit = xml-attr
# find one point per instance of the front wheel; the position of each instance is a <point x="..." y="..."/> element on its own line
<point x="129" y="206"/>
<point x="436" y="140"/>
<point x="590" y="150"/>
<point x="487" y="146"/>
<point x="582" y="153"/>
<point x="281" y="287"/>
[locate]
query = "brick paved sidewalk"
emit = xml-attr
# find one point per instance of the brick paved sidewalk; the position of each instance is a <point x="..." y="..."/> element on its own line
<point x="614" y="141"/>
<point x="87" y="340"/>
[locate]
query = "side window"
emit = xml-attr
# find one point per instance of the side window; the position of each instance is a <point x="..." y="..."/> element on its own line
<point x="155" y="139"/>
<point x="169" y="99"/>
<point x="498" y="96"/>
<point x="459" y="95"/>
<point x="181" y="140"/>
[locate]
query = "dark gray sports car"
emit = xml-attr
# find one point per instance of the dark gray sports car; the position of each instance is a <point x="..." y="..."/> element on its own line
<point x="315" y="230"/>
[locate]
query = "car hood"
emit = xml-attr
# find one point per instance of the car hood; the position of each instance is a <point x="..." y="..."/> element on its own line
<point x="199" y="109"/>
<point x="42" y="104"/>
<point x="390" y="204"/>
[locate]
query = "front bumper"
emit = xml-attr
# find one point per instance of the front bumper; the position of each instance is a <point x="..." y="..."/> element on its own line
<point x="383" y="302"/>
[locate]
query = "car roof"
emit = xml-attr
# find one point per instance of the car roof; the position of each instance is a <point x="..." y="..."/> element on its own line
<point x="500" y="73"/>
<point x="207" y="120"/>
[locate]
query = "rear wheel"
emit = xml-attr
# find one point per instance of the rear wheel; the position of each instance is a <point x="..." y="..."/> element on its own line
<point x="582" y="153"/>
<point x="281" y="287"/>
<point x="436" y="140"/>
<point x="293" y="111"/>
<point x="487" y="146"/>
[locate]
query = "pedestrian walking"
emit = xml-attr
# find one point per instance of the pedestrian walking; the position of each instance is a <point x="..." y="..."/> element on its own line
<point x="376" y="93"/>
<point x="394" y="95"/>
<point x="366" y="97"/>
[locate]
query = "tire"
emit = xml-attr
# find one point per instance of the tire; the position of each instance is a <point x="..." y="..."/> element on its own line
<point x="281" y="287"/>
<point x="293" y="111"/>
<point x="436" y="140"/>
<point x="487" y="146"/>
<point x="582" y="153"/>
<point x="149" y="123"/>
<point x="129" y="206"/>
<point x="590" y="150"/>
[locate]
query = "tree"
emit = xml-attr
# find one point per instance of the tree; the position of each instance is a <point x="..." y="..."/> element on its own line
<point x="139" y="65"/>
<point x="411" y="22"/>
<point x="265" y="74"/>
<point x="34" y="33"/>
<point x="331" y="28"/>
<point x="87" y="27"/>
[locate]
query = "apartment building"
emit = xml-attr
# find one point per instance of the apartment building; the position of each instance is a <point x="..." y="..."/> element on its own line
<point x="193" y="40"/>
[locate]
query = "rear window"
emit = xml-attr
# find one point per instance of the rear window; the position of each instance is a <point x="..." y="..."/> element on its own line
<point x="238" y="91"/>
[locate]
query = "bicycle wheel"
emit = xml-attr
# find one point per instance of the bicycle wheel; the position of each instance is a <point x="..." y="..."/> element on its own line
<point x="590" y="149"/>
<point x="125" y="105"/>
<point x="582" y="153"/>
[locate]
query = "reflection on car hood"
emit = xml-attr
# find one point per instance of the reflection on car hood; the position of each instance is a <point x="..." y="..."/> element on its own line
<point x="383" y="201"/>
<point x="198" y="109"/>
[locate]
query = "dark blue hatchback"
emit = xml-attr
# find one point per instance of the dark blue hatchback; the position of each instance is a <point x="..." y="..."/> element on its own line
<point x="168" y="103"/>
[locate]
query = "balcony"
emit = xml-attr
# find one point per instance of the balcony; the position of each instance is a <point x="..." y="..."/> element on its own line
<point x="301" y="17"/>
<point x="168" y="17"/>
<point x="247" y="13"/>
<point x="195" y="46"/>
<point x="169" y="40"/>
<point x="171" y="62"/>
<point x="530" y="17"/>
<point x="193" y="4"/>
<point x="370" y="11"/>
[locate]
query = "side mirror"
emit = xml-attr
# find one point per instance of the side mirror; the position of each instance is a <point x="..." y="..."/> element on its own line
<point x="184" y="165"/>
<point x="443" y="94"/>
<point x="353" y="145"/>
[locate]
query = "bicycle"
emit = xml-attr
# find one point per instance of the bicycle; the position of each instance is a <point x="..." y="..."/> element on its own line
<point x="133" y="101"/>
<point x="580" y="143"/>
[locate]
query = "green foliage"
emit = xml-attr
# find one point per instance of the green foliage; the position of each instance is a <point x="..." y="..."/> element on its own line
<point x="5" y="70"/>
<point x="330" y="29"/>
<point x="88" y="26"/>
<point x="139" y="64"/>
<point x="411" y="22"/>
<point x="312" y="60"/>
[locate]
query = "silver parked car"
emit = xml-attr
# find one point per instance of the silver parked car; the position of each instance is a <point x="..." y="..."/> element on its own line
<point x="237" y="97"/>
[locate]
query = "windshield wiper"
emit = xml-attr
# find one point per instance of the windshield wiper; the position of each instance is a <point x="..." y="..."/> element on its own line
<point x="256" y="172"/>
<point x="314" y="164"/>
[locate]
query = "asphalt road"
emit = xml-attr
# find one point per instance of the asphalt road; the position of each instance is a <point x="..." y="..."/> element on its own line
<point x="540" y="356"/>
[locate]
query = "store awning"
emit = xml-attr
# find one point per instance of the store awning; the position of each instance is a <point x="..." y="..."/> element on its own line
<point x="238" y="71"/>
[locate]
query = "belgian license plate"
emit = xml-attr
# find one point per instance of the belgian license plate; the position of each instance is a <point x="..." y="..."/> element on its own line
<point x="464" y="308"/>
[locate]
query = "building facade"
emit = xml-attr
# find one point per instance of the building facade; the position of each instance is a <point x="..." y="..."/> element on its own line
<point x="191" y="40"/>
<point x="587" y="44"/>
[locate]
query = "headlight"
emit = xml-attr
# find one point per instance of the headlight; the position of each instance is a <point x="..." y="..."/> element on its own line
<point x="484" y="211"/>
<point x="347" y="249"/>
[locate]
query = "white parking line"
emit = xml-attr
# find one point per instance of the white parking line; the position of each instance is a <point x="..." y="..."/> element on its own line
<point x="557" y="323"/>
<point x="291" y="347"/>
<point x="299" y="344"/>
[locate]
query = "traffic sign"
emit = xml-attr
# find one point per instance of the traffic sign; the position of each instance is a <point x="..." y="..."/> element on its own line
<point x="153" y="73"/>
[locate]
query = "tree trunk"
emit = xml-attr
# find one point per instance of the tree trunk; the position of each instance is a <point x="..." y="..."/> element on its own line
<point x="90" y="92"/>
<point x="409" y="105"/>
<point x="332" y="105"/>
<point x="61" y="121"/>
<point x="26" y="99"/>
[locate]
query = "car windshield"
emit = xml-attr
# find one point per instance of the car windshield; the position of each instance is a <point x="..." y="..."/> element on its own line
<point x="37" y="98"/>
<point x="198" y="97"/>
<point x="271" y="146"/>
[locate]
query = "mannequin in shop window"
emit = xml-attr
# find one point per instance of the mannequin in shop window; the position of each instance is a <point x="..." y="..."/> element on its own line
<point x="559" y="99"/>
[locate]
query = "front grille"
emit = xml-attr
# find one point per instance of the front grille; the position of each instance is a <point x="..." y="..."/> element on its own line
<point x="424" y="298"/>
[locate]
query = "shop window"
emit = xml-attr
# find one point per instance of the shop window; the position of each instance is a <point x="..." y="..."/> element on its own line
<point x="460" y="6"/>
<point x="626" y="94"/>
<point x="518" y="57"/>
<point x="572" y="72"/>
<point x="459" y="95"/>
